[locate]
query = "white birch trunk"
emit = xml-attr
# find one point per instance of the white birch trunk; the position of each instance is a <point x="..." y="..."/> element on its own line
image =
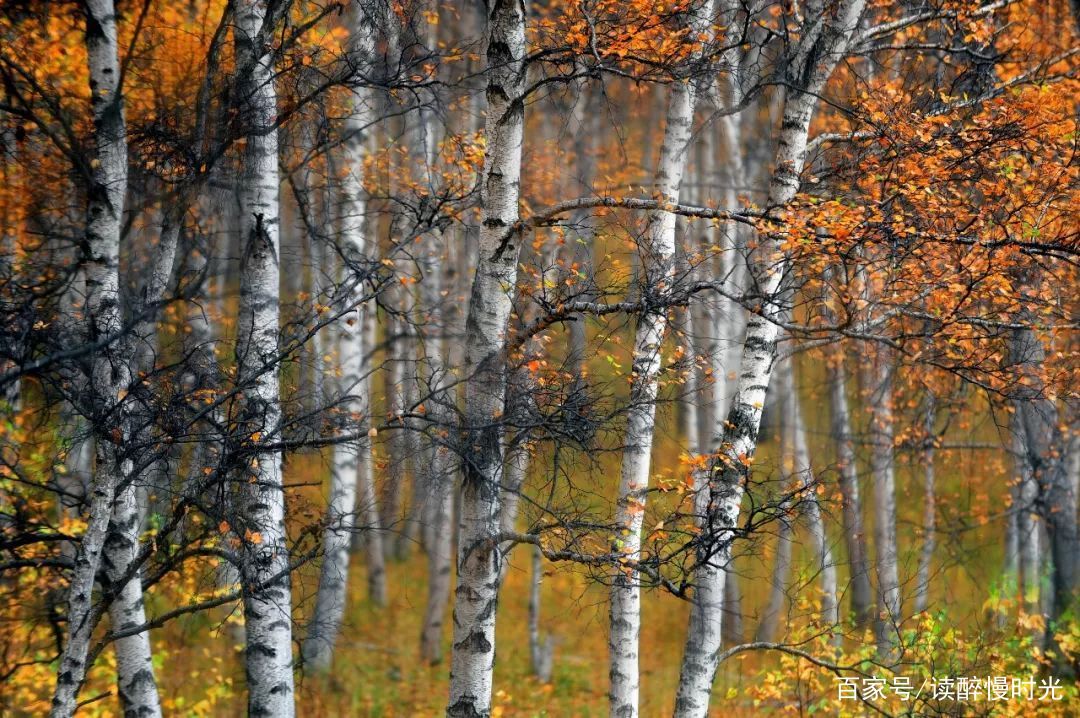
<point x="774" y="605"/>
<point x="795" y="463"/>
<point x="739" y="439"/>
<point x="109" y="383"/>
<point x="1029" y="550"/>
<point x="883" y="472"/>
<point x="352" y="475"/>
<point x="541" y="649"/>
<point x="729" y="322"/>
<point x="433" y="263"/>
<point x="1038" y="427"/>
<point x="440" y="550"/>
<point x="811" y="507"/>
<point x="485" y="378"/>
<point x="134" y="668"/>
<point x="400" y="460"/>
<point x="929" y="533"/>
<point x="517" y="468"/>
<point x="359" y="348"/>
<point x="862" y="602"/>
<point x="657" y="276"/>
<point x="436" y="510"/>
<point x="260" y="509"/>
<point x="728" y="327"/>
<point x="9" y="264"/>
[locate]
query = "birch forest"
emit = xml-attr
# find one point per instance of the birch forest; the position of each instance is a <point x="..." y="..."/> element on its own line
<point x="492" y="358"/>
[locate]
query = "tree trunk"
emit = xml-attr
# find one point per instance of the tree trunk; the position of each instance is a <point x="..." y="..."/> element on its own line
<point x="540" y="647"/>
<point x="862" y="602"/>
<point x="11" y="392"/>
<point x="260" y="520"/>
<point x="1046" y="483"/>
<point x="433" y="489"/>
<point x="111" y="377"/>
<point x="1029" y="551"/>
<point x="485" y="376"/>
<point x="811" y="509"/>
<point x="774" y="606"/>
<point x="657" y="275"/>
<point x="352" y="470"/>
<point x="739" y="439"/>
<point x="883" y="471"/>
<point x="400" y="461"/>
<point x="926" y="555"/>
<point x="134" y="667"/>
<point x="439" y="547"/>
<point x="795" y="464"/>
<point x="517" y="469"/>
<point x="735" y="447"/>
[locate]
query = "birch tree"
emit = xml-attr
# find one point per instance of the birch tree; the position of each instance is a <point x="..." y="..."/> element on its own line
<point x="352" y="474"/>
<point x="812" y="62"/>
<point x="260" y="500"/>
<point x="882" y="469"/>
<point x="109" y="385"/>
<point x="438" y="476"/>
<point x="848" y="480"/>
<point x="658" y="271"/>
<point x="195" y="370"/>
<point x="479" y="558"/>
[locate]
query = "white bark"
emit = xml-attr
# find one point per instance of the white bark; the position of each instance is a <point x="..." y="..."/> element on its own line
<point x="728" y="324"/>
<point x="817" y="55"/>
<point x="440" y="550"/>
<point x="437" y="479"/>
<point x="728" y="321"/>
<point x="9" y="264"/>
<point x="795" y="463"/>
<point x="1029" y="550"/>
<point x="774" y="605"/>
<point x="134" y="668"/>
<point x="356" y="354"/>
<point x="401" y="459"/>
<point x="862" y="603"/>
<point x="352" y="476"/>
<point x="657" y="275"/>
<point x="811" y="507"/>
<point x="929" y="534"/>
<point x="770" y="617"/>
<point x="432" y="507"/>
<point x="541" y="650"/>
<point x="739" y="438"/>
<point x="1037" y="424"/>
<point x="260" y="501"/>
<point x="109" y="383"/>
<point x="485" y="379"/>
<point x="517" y="468"/>
<point x="883" y="472"/>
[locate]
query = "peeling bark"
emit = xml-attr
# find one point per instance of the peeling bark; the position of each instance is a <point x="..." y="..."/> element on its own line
<point x="479" y="561"/>
<point x="260" y="501"/>
<point x="817" y="54"/>
<point x="656" y="276"/>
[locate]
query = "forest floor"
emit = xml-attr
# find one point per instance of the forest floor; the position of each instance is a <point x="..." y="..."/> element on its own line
<point x="378" y="672"/>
